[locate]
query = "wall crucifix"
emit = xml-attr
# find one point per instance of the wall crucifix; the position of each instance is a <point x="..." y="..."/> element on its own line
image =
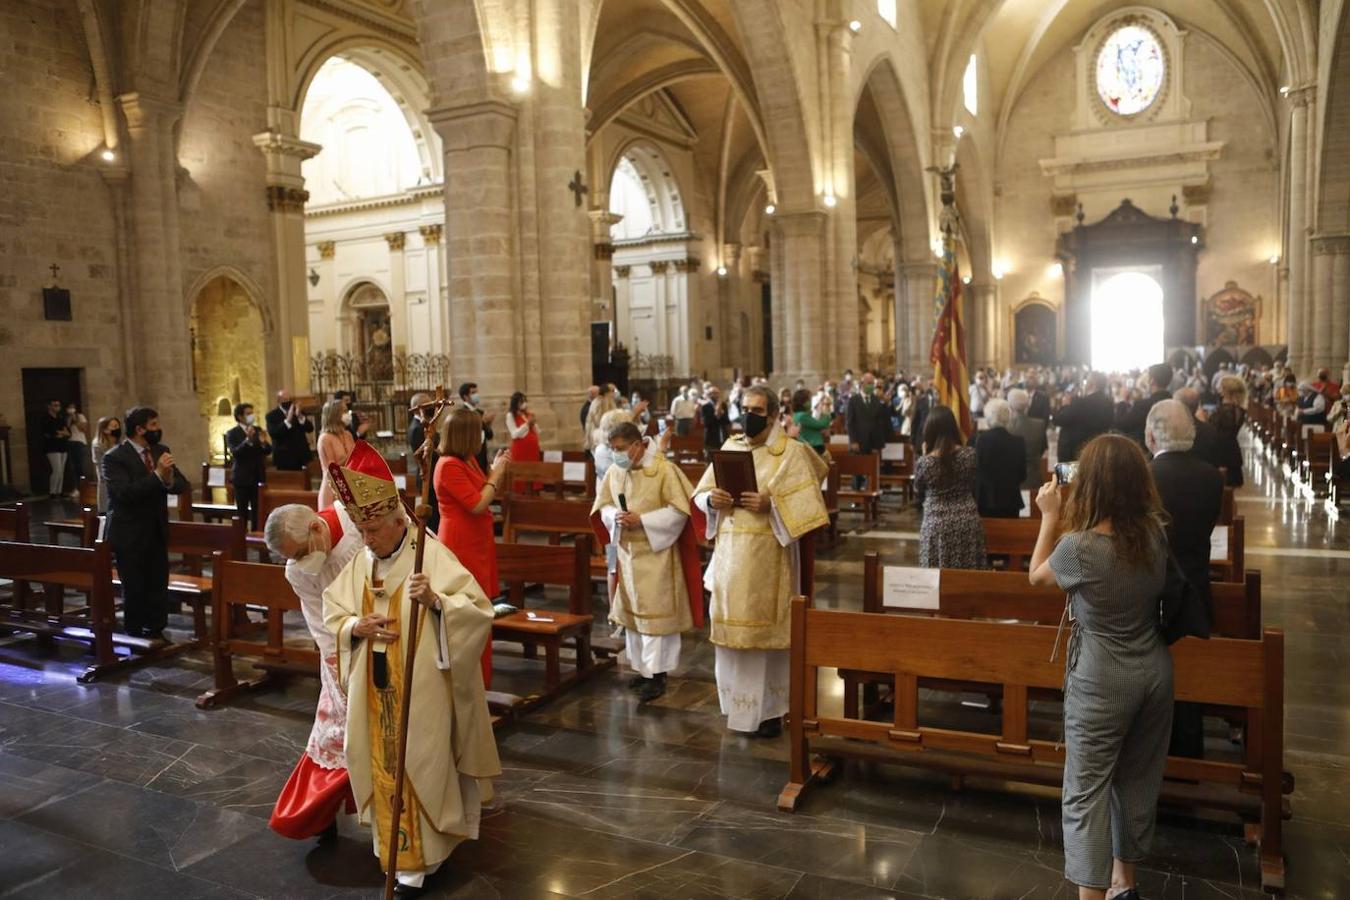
<point x="577" y="186"/>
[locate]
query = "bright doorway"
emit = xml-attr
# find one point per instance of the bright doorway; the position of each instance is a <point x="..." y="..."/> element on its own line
<point x="1127" y="319"/>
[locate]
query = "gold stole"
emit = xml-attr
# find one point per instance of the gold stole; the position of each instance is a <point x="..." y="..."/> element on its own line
<point x="382" y="712"/>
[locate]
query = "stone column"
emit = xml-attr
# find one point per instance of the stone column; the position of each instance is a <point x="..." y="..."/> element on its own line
<point x="330" y="336"/>
<point x="479" y="228"/>
<point x="842" y="337"/>
<point x="665" y="342"/>
<point x="729" y="306"/>
<point x="439" y="315"/>
<point x="808" y="326"/>
<point x="981" y="326"/>
<point x="286" y="197"/>
<point x="602" y="263"/>
<point x="622" y="305"/>
<point x="163" y="357"/>
<point x="1297" y="252"/>
<point x="914" y="298"/>
<point x="398" y="287"/>
<point x="1330" y="290"/>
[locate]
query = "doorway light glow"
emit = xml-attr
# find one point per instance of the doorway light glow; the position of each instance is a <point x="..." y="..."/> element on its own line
<point x="1127" y="321"/>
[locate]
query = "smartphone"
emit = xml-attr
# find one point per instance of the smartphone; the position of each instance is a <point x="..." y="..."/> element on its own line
<point x="1065" y="472"/>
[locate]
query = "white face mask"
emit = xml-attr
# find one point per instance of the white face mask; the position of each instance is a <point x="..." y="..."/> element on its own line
<point x="250" y="419"/>
<point x="311" y="562"/>
<point x="622" y="462"/>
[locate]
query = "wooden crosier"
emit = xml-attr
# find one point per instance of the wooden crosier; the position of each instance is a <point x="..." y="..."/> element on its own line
<point x="429" y="414"/>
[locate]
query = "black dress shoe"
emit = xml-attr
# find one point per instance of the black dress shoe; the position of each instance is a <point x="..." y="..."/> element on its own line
<point x="638" y="682"/>
<point x="407" y="890"/>
<point x="654" y="688"/>
<point x="770" y="728"/>
<point x="1131" y="894"/>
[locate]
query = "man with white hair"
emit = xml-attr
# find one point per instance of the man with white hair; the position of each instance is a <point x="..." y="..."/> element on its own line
<point x="1001" y="464"/>
<point x="1206" y="444"/>
<point x="1191" y="491"/>
<point x="316" y="547"/>
<point x="1032" y="432"/>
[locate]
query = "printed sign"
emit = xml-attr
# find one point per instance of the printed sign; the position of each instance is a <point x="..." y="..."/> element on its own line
<point x="574" y="471"/>
<point x="893" y="453"/>
<point x="215" y="477"/>
<point x="1218" y="544"/>
<point x="909" y="587"/>
<point x="1025" y="512"/>
<point x="552" y="456"/>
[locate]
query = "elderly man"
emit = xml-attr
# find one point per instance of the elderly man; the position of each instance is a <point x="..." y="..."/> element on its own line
<point x="1206" y="444"/>
<point x="1084" y="418"/>
<point x="316" y="547"/>
<point x="1191" y="491"/>
<point x="755" y="568"/>
<point x="1032" y="432"/>
<point x="1131" y="423"/>
<point x="1001" y="464"/>
<point x="369" y="608"/>
<point x="289" y="429"/>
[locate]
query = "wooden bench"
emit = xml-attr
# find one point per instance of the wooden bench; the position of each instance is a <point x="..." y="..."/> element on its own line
<point x="860" y="465"/>
<point x="897" y="469"/>
<point x="1320" y="447"/>
<point x="1017" y="658"/>
<point x="287" y="479"/>
<point x="829" y="536"/>
<point x="86" y="570"/>
<point x="14" y="527"/>
<point x="269" y="498"/>
<point x="215" y="478"/>
<point x="555" y="519"/>
<point x="238" y="585"/>
<point x="688" y="447"/>
<point x="536" y="478"/>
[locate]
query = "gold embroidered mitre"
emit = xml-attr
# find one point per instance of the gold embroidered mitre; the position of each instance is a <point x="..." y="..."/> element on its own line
<point x="365" y="484"/>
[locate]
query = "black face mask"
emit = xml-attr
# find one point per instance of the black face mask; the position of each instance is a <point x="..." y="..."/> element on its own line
<point x="115" y="434"/>
<point x="286" y="406"/>
<point x="152" y="437"/>
<point x="755" y="424"/>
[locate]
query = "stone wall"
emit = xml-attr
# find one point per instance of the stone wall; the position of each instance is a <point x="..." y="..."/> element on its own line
<point x="54" y="208"/>
<point x="227" y="356"/>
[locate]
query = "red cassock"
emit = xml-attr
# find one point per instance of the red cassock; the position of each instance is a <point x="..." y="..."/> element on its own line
<point x="315" y="793"/>
<point x="459" y="485"/>
<point x="696" y="524"/>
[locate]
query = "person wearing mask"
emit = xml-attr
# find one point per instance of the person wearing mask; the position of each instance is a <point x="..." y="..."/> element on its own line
<point x="1038" y="403"/>
<point x="716" y="419"/>
<point x="1132" y="423"/>
<point x="1228" y="420"/>
<point x="642" y="510"/>
<point x="1191" y="491"/>
<point x="979" y="395"/>
<point x="1085" y="418"/>
<point x="468" y="394"/>
<point x="924" y="401"/>
<point x="1032" y="433"/>
<point x="683" y="410"/>
<point x="946" y="481"/>
<point x="604" y="402"/>
<point x="78" y="461"/>
<point x="248" y="458"/>
<point x="335" y="445"/>
<point x="465" y="496"/>
<point x="1000" y="463"/>
<point x="55" y="446"/>
<point x="902" y="416"/>
<point x="289" y="429"/>
<point x="1287" y="394"/>
<point x="140" y="475"/>
<point x="524" y="430"/>
<point x="755" y="567"/>
<point x="1111" y="560"/>
<point x="316" y="546"/>
<point x="1206" y="443"/>
<point x="1312" y="405"/>
<point x="591" y="393"/>
<point x="867" y="420"/>
<point x="109" y="436"/>
<point x="813" y="424"/>
<point x="416" y="438"/>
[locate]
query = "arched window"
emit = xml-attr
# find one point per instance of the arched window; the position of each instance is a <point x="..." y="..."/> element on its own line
<point x="970" y="87"/>
<point x="1130" y="70"/>
<point x="369" y="150"/>
<point x="628" y="198"/>
<point x="644" y="192"/>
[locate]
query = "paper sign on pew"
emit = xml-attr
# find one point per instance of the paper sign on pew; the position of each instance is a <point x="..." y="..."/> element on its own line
<point x="215" y="477"/>
<point x="1025" y="511"/>
<point x="574" y="471"/>
<point x="1218" y="544"/>
<point x="893" y="453"/>
<point x="401" y="482"/>
<point x="910" y="587"/>
<point x="838" y="439"/>
<point x="553" y="456"/>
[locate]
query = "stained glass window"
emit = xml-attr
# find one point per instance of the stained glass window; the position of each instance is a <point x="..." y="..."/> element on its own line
<point x="1130" y="70"/>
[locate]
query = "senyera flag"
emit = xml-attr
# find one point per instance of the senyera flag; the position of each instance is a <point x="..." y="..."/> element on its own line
<point x="948" y="354"/>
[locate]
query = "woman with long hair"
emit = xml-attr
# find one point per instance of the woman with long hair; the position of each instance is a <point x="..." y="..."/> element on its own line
<point x="464" y="495"/>
<point x="524" y="430"/>
<point x="335" y="445"/>
<point x="1228" y="420"/>
<point x="1108" y="552"/>
<point x="107" y="435"/>
<point x="946" y="479"/>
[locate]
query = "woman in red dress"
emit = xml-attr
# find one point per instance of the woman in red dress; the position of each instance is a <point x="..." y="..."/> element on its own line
<point x="524" y="431"/>
<point x="464" y="495"/>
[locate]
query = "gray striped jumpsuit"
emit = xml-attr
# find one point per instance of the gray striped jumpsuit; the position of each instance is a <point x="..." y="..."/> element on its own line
<point x="1117" y="705"/>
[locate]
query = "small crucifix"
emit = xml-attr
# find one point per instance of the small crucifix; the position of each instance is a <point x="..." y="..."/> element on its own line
<point x="55" y="271"/>
<point x="577" y="187"/>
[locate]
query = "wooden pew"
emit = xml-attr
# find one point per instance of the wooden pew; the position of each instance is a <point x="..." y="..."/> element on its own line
<point x="238" y="585"/>
<point x="687" y="448"/>
<point x="868" y="467"/>
<point x="536" y="478"/>
<point x="897" y="469"/>
<point x="522" y="564"/>
<point x="287" y="479"/>
<point x="215" y="478"/>
<point x="829" y="535"/>
<point x="1017" y="658"/>
<point x="1320" y="447"/>
<point x="14" y="527"/>
<point x="269" y="498"/>
<point x="86" y="571"/>
<point x="555" y="519"/>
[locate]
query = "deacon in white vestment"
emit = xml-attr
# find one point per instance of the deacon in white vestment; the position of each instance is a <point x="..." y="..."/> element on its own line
<point x="755" y="569"/>
<point x="642" y="510"/>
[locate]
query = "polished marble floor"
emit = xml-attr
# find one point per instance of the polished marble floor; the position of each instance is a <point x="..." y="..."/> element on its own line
<point x="125" y="789"/>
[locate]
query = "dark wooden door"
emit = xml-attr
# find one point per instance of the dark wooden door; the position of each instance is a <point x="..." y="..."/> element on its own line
<point x="766" y="332"/>
<point x="39" y="386"/>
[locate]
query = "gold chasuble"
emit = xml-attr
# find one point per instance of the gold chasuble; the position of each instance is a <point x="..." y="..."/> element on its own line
<point x="751" y="576"/>
<point x="451" y="750"/>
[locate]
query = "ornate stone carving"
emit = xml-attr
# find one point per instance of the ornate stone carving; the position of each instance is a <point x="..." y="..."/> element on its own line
<point x="659" y="266"/>
<point x="759" y="276"/>
<point x="1063" y="205"/>
<point x="326" y="249"/>
<point x="286" y="199"/>
<point x="395" y="239"/>
<point x="622" y="271"/>
<point x="431" y="234"/>
<point x="603" y="250"/>
<point x="1330" y="244"/>
<point x="689" y="264"/>
<point x="1195" y="194"/>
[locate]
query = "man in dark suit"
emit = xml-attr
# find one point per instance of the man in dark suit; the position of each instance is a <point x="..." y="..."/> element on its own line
<point x="1206" y="444"/>
<point x="1084" y="418"/>
<point x="1001" y="464"/>
<point x="289" y="430"/>
<point x="248" y="459"/>
<point x="140" y="475"/>
<point x="416" y="437"/>
<point x="468" y="393"/>
<point x="1191" y="491"/>
<point x="716" y="420"/>
<point x="923" y="402"/>
<point x="1131" y="424"/>
<point x="1032" y="432"/>
<point x="591" y="393"/>
<point x="866" y="418"/>
<point x="1038" y="401"/>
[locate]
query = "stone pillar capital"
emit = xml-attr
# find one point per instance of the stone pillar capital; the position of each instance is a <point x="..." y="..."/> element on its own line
<point x="431" y="234"/>
<point x="283" y="199"/>
<point x="487" y="124"/>
<point x="1330" y="244"/>
<point x="801" y="224"/>
<point x="1302" y="96"/>
<point x="622" y="271"/>
<point x="327" y="249"/>
<point x="689" y="264"/>
<point x="659" y="266"/>
<point x="143" y="110"/>
<point x="731" y="254"/>
<point x="274" y="143"/>
<point x="395" y="240"/>
<point x="602" y="250"/>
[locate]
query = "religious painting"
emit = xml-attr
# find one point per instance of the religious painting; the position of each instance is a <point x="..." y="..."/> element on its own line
<point x="1230" y="317"/>
<point x="377" y="343"/>
<point x="1034" y="335"/>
